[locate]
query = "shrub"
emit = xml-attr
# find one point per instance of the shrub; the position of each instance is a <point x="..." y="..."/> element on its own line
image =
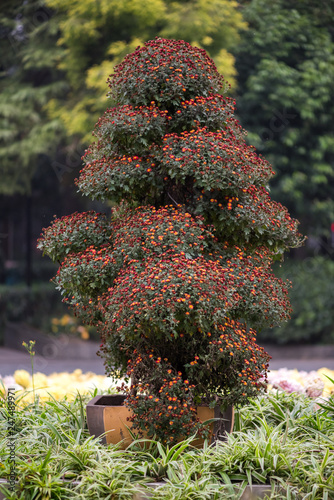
<point x="181" y="276"/>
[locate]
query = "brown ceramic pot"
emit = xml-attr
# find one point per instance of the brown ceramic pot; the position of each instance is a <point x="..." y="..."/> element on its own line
<point x="107" y="417"/>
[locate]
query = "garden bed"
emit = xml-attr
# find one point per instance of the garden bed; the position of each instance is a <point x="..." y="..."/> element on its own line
<point x="285" y="440"/>
<point x="253" y="492"/>
<point x="57" y="385"/>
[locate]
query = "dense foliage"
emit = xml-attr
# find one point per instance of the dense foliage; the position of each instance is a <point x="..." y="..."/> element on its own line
<point x="285" y="100"/>
<point x="29" y="79"/>
<point x="182" y="275"/>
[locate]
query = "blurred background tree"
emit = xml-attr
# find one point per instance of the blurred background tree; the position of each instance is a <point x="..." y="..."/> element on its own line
<point x="96" y="35"/>
<point x="278" y="57"/>
<point x="285" y="99"/>
<point x="285" y="66"/>
<point x="29" y="78"/>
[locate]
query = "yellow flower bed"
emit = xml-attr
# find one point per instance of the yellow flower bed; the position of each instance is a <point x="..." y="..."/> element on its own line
<point x="59" y="385"/>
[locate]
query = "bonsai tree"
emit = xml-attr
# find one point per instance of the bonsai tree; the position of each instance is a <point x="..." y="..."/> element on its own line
<point x="178" y="278"/>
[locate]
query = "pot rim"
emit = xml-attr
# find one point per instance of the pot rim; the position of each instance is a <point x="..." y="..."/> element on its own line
<point x="96" y="399"/>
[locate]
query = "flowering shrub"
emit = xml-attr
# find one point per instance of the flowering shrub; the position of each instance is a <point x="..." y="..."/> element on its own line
<point x="163" y="405"/>
<point x="179" y="277"/>
<point x="73" y="233"/>
<point x="118" y="128"/>
<point x="166" y="71"/>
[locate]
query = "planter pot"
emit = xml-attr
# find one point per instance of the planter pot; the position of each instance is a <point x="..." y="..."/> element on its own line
<point x="107" y="414"/>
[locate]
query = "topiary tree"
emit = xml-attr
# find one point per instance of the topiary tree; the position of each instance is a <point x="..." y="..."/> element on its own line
<point x="179" y="276"/>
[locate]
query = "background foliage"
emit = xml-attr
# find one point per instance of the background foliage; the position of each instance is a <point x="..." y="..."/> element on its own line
<point x="29" y="79"/>
<point x="94" y="36"/>
<point x="285" y="65"/>
<point x="311" y="298"/>
<point x="56" y="56"/>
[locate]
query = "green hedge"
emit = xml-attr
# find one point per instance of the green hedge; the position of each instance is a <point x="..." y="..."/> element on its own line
<point x="312" y="299"/>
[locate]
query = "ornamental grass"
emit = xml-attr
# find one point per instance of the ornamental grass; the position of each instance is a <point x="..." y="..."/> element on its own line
<point x="281" y="440"/>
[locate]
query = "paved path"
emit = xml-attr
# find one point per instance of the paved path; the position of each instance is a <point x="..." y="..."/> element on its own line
<point x="11" y="360"/>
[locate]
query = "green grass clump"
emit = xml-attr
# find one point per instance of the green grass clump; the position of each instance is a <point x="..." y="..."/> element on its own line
<point x="283" y="440"/>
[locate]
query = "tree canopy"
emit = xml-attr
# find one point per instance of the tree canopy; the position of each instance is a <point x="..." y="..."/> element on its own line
<point x="29" y="78"/>
<point x="56" y="57"/>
